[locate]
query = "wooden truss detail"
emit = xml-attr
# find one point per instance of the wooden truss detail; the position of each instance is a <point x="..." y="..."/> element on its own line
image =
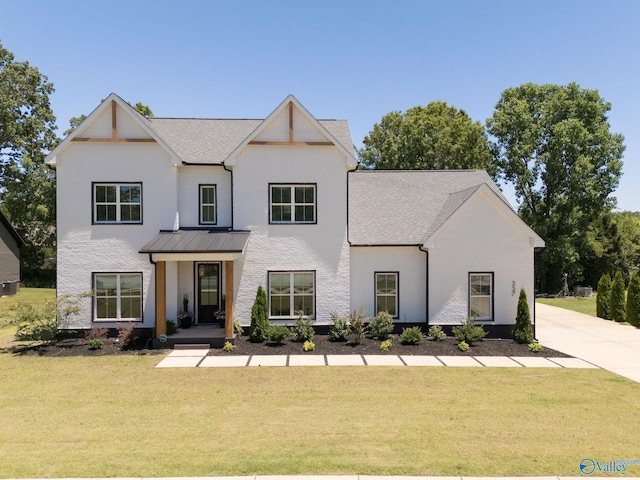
<point x="114" y="132"/>
<point x="291" y="140"/>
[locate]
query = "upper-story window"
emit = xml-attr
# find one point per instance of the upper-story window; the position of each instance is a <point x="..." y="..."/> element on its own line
<point x="117" y="202"/>
<point x="208" y="204"/>
<point x="292" y="203"/>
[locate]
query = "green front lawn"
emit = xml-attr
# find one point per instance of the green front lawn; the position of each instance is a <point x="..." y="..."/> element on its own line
<point x="118" y="416"/>
<point x="586" y="305"/>
<point x="33" y="296"/>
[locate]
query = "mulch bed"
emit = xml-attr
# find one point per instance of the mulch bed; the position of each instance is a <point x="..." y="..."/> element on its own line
<point x="491" y="347"/>
<point x="368" y="346"/>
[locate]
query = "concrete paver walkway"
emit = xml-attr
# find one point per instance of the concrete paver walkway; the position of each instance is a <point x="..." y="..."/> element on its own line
<point x="607" y="344"/>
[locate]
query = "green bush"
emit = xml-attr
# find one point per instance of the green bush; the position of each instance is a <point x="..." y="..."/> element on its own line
<point x="237" y="328"/>
<point x="171" y="327"/>
<point x="463" y="346"/>
<point x="126" y="333"/>
<point x="381" y="326"/>
<point x="603" y="297"/>
<point x="633" y="301"/>
<point x="436" y="333"/>
<point x="302" y="331"/>
<point x="259" y="317"/>
<point x="228" y="347"/>
<point x="339" y="331"/>
<point x="278" y="333"/>
<point x="411" y="335"/>
<point x="469" y="332"/>
<point x="308" y="346"/>
<point x="385" y="346"/>
<point x="95" y="344"/>
<point x="357" y="325"/>
<point x="523" y="333"/>
<point x="617" y="301"/>
<point x="535" y="347"/>
<point x="36" y="323"/>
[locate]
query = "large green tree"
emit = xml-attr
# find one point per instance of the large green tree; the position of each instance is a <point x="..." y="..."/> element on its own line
<point x="435" y="137"/>
<point x="553" y="143"/>
<point x="27" y="132"/>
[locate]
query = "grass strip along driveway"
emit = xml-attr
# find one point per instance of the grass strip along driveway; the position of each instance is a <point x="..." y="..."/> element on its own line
<point x="119" y="416"/>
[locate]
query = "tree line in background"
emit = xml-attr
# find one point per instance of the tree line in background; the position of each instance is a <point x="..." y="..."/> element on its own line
<point x="615" y="302"/>
<point x="551" y="144"/>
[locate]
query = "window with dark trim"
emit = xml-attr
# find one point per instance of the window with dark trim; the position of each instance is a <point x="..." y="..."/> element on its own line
<point x="117" y="296"/>
<point x="291" y="293"/>
<point x="481" y="295"/>
<point x="208" y="213"/>
<point x="117" y="202"/>
<point x="292" y="203"/>
<point x="387" y="293"/>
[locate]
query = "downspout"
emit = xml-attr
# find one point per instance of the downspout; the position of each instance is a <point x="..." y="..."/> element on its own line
<point x="426" y="296"/>
<point x="230" y="173"/>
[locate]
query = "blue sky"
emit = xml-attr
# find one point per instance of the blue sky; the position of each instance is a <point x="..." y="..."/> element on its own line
<point x="355" y="59"/>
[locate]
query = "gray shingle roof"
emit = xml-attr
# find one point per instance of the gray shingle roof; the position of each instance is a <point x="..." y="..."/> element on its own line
<point x="199" y="140"/>
<point x="404" y="207"/>
<point x="197" y="241"/>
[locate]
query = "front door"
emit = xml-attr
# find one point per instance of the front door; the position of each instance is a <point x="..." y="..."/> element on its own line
<point x="208" y="291"/>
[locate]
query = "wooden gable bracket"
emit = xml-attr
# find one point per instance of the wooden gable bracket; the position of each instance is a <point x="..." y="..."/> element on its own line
<point x="291" y="139"/>
<point x="114" y="132"/>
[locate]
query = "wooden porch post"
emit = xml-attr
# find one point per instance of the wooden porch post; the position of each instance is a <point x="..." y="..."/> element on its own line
<point x="229" y="294"/>
<point x="161" y="298"/>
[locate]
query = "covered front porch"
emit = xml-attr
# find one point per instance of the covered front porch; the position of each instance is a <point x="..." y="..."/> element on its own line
<point x="198" y="266"/>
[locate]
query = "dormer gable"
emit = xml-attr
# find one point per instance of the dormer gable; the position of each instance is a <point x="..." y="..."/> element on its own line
<point x="291" y="124"/>
<point x="113" y="121"/>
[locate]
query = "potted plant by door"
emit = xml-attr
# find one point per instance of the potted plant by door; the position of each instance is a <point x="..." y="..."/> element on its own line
<point x="185" y="318"/>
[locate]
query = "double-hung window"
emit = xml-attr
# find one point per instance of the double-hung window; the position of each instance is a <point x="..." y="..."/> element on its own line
<point x="208" y="204"/>
<point x="387" y="293"/>
<point x="117" y="203"/>
<point x="481" y="296"/>
<point x="292" y="203"/>
<point x="117" y="296"/>
<point x="291" y="293"/>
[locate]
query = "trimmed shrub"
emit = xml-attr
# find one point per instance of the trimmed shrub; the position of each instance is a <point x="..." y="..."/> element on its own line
<point x="308" y="346"/>
<point x="228" y="347"/>
<point x="463" y="346"/>
<point x="411" y="335"/>
<point x="339" y="331"/>
<point x="469" y="332"/>
<point x="237" y="328"/>
<point x="171" y="327"/>
<point x="302" y="331"/>
<point x="259" y="317"/>
<point x="633" y="301"/>
<point x="386" y="345"/>
<point x="95" y="344"/>
<point x="535" y="347"/>
<point x="603" y="297"/>
<point x="357" y="325"/>
<point x="617" y="301"/>
<point x="436" y="333"/>
<point x="523" y="333"/>
<point x="381" y="326"/>
<point x="278" y="333"/>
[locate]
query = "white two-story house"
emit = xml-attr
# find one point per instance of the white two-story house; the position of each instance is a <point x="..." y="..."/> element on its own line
<point x="153" y="211"/>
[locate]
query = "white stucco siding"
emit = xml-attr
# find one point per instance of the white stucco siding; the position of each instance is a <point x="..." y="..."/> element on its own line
<point x="479" y="238"/>
<point x="408" y="262"/>
<point x="84" y="248"/>
<point x="321" y="247"/>
<point x="189" y="180"/>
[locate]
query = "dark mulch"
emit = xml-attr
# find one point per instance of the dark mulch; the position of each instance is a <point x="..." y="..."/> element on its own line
<point x="368" y="346"/>
<point x="69" y="347"/>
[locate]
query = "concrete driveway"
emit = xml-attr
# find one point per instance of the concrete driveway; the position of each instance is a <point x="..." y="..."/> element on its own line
<point x="604" y="343"/>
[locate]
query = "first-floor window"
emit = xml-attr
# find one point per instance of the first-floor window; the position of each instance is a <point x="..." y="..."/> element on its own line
<point x="387" y="293"/>
<point x="118" y="296"/>
<point x="291" y="293"/>
<point x="481" y="296"/>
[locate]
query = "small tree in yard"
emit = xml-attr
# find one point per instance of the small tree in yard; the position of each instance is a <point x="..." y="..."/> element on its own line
<point x="523" y="333"/>
<point x="603" y="297"/>
<point x="633" y="301"/>
<point x="617" y="301"/>
<point x="259" y="317"/>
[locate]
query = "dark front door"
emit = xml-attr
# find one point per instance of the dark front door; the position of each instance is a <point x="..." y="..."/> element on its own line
<point x="208" y="291"/>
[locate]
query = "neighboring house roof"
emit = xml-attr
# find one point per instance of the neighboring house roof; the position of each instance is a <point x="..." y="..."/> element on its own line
<point x="11" y="230"/>
<point x="388" y="207"/>
<point x="197" y="241"/>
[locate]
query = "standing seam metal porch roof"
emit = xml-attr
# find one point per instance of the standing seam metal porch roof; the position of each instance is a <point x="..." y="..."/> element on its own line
<point x="197" y="241"/>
